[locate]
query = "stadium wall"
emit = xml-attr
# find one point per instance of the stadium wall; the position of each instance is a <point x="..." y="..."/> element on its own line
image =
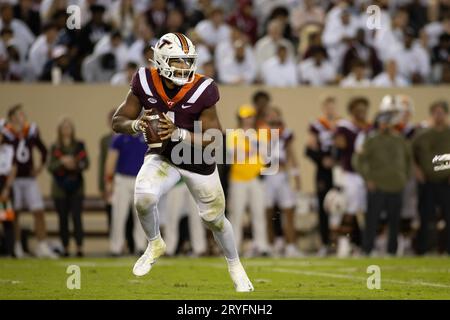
<point x="88" y="106"/>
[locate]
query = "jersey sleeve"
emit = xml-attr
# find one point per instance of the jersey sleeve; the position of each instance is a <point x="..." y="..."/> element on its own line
<point x="312" y="128"/>
<point x="135" y="85"/>
<point x="211" y="95"/>
<point x="289" y="136"/>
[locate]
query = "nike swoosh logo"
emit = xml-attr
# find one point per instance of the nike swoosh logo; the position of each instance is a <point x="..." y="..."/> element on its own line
<point x="185" y="106"/>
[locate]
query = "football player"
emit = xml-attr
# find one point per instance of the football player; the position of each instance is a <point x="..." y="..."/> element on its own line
<point x="319" y="149"/>
<point x="354" y="187"/>
<point x="278" y="188"/>
<point x="174" y="88"/>
<point x="24" y="137"/>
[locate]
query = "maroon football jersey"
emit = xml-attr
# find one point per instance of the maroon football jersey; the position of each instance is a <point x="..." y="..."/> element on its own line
<point x="184" y="108"/>
<point x="350" y="131"/>
<point x="324" y="132"/>
<point x="23" y="143"/>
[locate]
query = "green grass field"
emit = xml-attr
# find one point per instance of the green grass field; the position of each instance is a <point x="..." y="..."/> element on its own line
<point x="207" y="278"/>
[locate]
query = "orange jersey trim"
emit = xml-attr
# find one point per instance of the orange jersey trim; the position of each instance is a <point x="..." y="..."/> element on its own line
<point x="327" y="124"/>
<point x="25" y="130"/>
<point x="157" y="82"/>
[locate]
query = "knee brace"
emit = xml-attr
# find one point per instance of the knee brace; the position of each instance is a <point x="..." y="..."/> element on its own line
<point x="144" y="201"/>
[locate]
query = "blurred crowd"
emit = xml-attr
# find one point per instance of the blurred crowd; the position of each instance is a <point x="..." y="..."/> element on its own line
<point x="273" y="42"/>
<point x="378" y="191"/>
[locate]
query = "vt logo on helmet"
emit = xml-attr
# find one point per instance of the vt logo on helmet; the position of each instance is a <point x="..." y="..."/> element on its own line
<point x="175" y="58"/>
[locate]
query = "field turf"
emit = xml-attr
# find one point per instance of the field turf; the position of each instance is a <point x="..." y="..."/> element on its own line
<point x="207" y="278"/>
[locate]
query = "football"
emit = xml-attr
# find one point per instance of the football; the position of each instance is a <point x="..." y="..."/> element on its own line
<point x="151" y="132"/>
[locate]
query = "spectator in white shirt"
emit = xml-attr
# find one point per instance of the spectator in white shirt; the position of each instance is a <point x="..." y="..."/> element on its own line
<point x="389" y="41"/>
<point x="317" y="70"/>
<point x="40" y="51"/>
<point x="121" y="14"/>
<point x="146" y="38"/>
<point x="23" y="36"/>
<point x="390" y="77"/>
<point x="213" y="30"/>
<point x="266" y="47"/>
<point x="99" y="68"/>
<point x="338" y="35"/>
<point x="413" y="60"/>
<point x="239" y="66"/>
<point x="114" y="44"/>
<point x="357" y="77"/>
<point x="280" y="70"/>
<point x="307" y="13"/>
<point x="223" y="49"/>
<point x="434" y="29"/>
<point x="124" y="77"/>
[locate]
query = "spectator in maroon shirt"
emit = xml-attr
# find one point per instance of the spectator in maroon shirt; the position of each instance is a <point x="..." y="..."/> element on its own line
<point x="243" y="19"/>
<point x="361" y="51"/>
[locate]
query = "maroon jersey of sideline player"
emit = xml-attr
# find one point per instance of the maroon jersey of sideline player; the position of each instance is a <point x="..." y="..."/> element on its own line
<point x="24" y="141"/>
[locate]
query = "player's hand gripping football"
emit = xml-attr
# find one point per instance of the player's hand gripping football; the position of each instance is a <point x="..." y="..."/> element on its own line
<point x="140" y="123"/>
<point x="167" y="127"/>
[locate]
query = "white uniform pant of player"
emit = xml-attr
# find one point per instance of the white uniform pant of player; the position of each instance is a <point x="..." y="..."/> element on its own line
<point x="27" y="195"/>
<point x="121" y="201"/>
<point x="157" y="176"/>
<point x="179" y="201"/>
<point x="355" y="192"/>
<point x="278" y="191"/>
<point x="251" y="194"/>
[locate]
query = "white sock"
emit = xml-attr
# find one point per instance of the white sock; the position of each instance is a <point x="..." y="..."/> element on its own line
<point x="225" y="240"/>
<point x="150" y="220"/>
<point x="233" y="262"/>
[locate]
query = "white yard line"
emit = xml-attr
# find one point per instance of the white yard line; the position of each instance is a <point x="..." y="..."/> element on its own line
<point x="344" y="276"/>
<point x="8" y="281"/>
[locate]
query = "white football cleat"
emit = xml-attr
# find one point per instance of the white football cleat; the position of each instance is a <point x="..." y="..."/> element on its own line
<point x="43" y="251"/>
<point x="155" y="249"/>
<point x="18" y="250"/>
<point x="292" y="252"/>
<point x="240" y="279"/>
<point x="344" y="247"/>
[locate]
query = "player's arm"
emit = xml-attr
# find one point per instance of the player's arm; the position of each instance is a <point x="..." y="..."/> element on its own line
<point x="110" y="169"/>
<point x="5" y="193"/>
<point x="128" y="119"/>
<point x="43" y="151"/>
<point x="312" y="150"/>
<point x="209" y="120"/>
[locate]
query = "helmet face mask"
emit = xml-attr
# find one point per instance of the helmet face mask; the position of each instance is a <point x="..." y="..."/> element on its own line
<point x="175" y="58"/>
<point x="390" y="110"/>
